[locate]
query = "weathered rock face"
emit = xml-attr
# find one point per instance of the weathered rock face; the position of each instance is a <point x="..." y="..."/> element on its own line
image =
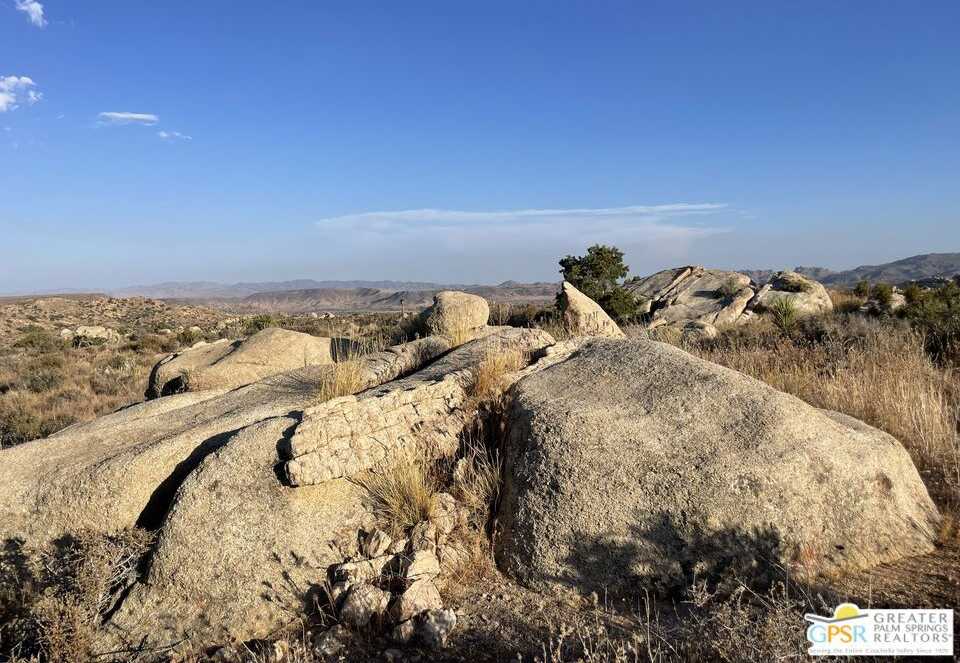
<point x="456" y="315"/>
<point x="633" y="463"/>
<point x="806" y="295"/>
<point x="583" y="317"/>
<point x="229" y="364"/>
<point x="693" y="293"/>
<point x="237" y="548"/>
<point x="424" y="411"/>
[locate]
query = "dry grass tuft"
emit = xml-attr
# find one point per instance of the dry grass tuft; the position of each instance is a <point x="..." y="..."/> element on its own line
<point x="487" y="379"/>
<point x="401" y="492"/>
<point x="342" y="379"/>
<point x="455" y="325"/>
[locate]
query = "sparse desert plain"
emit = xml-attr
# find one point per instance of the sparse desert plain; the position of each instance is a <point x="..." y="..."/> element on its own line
<point x="677" y="466"/>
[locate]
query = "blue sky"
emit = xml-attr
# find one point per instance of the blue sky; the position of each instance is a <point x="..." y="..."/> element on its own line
<point x="469" y="142"/>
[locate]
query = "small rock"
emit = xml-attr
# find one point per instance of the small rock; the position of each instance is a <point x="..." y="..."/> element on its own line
<point x="226" y="654"/>
<point x="338" y="590"/>
<point x="377" y="543"/>
<point x="399" y="546"/>
<point x="451" y="557"/>
<point x="424" y="537"/>
<point x="332" y="641"/>
<point x="363" y="570"/>
<point x="421" y="595"/>
<point x="362" y="604"/>
<point x="423" y="564"/>
<point x="445" y="512"/>
<point x="392" y="654"/>
<point x="435" y="627"/>
<point x="404" y="632"/>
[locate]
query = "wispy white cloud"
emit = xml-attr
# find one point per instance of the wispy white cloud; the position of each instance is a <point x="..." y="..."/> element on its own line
<point x="128" y="118"/>
<point x="458" y="245"/>
<point x="15" y="88"/>
<point x="647" y="217"/>
<point x="34" y="12"/>
<point x="173" y="135"/>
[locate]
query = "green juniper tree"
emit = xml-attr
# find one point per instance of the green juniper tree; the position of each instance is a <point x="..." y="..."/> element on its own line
<point x="599" y="275"/>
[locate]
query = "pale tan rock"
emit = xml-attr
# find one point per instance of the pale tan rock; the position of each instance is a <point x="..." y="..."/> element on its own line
<point x="456" y="315"/>
<point x="229" y="364"/>
<point x="806" y="295"/>
<point x="377" y="543"/>
<point x="363" y="604"/>
<point x="421" y="595"/>
<point x="425" y="412"/>
<point x="637" y="460"/>
<point x="435" y="626"/>
<point x="423" y="564"/>
<point x="583" y="317"/>
<point x="692" y="293"/>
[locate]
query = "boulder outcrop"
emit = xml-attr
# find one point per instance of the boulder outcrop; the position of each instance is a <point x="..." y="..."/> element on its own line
<point x="227" y="364"/>
<point x="633" y="464"/>
<point x="583" y="317"/>
<point x="805" y="295"/>
<point x="693" y="293"/>
<point x="425" y="411"/>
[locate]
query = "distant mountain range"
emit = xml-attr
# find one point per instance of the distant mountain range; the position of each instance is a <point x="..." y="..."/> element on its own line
<point x="305" y="295"/>
<point x="382" y="299"/>
<point x="915" y="268"/>
<point x="213" y="290"/>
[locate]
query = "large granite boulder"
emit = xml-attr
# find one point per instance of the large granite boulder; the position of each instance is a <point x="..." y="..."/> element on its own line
<point x="456" y="315"/>
<point x="692" y="293"/>
<point x="805" y="295"/>
<point x="633" y="464"/>
<point x="228" y="364"/>
<point x="583" y="317"/>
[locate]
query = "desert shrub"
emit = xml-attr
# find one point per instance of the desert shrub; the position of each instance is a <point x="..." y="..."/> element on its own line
<point x="845" y="301"/>
<point x="882" y="294"/>
<point x="936" y="315"/>
<point x="340" y="379"/>
<point x="598" y="275"/>
<point x="620" y="304"/>
<point x="529" y="315"/>
<point x="258" y="323"/>
<point x="153" y="343"/>
<point x="188" y="337"/>
<point x="52" y="602"/>
<point x="729" y="288"/>
<point x="862" y="289"/>
<point x="784" y="314"/>
<point x="794" y="285"/>
<point x="913" y="293"/>
<point x="38" y="340"/>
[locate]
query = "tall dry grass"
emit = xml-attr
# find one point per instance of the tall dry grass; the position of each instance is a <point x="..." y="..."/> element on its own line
<point x="400" y="491"/>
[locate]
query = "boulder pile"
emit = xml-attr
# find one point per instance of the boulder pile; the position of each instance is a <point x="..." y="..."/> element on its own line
<point x="676" y="297"/>
<point x="627" y="464"/>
